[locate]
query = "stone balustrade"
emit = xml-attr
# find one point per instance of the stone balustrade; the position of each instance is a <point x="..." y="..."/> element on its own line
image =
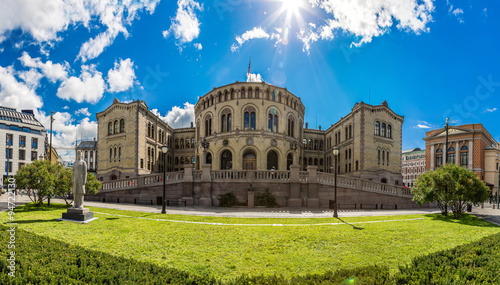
<point x="310" y="176"/>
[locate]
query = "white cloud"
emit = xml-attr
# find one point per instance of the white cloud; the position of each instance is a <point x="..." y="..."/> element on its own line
<point x="368" y="19"/>
<point x="491" y="110"/>
<point x="89" y="87"/>
<point x="198" y="46"/>
<point x="31" y="77"/>
<point x="185" y="26"/>
<point x="178" y="117"/>
<point x="423" y="126"/>
<point x="16" y="94"/>
<point x="83" y="111"/>
<point x="121" y="77"/>
<point x="256" y="33"/>
<point x="67" y="130"/>
<point x="65" y="108"/>
<point x="54" y="72"/>
<point x="254" y="78"/>
<point x="46" y="20"/>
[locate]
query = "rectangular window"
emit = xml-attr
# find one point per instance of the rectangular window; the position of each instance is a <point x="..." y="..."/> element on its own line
<point x="22" y="141"/>
<point x="142" y="163"/>
<point x="349" y="167"/>
<point x="8" y="153"/>
<point x="9" y="139"/>
<point x="357" y="164"/>
<point x="439" y="160"/>
<point x="464" y="159"/>
<point x="33" y="155"/>
<point x="21" y="164"/>
<point x="8" y="166"/>
<point x="34" y="143"/>
<point x="22" y="154"/>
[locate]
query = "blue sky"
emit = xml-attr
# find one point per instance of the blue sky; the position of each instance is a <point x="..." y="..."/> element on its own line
<point x="429" y="59"/>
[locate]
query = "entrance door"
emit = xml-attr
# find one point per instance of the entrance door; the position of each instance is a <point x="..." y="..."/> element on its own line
<point x="249" y="161"/>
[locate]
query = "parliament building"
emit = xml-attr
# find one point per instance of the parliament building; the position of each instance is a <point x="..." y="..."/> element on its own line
<point x="249" y="126"/>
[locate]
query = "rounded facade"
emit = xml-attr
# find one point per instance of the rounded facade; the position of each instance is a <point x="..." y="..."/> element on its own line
<point x="249" y="126"/>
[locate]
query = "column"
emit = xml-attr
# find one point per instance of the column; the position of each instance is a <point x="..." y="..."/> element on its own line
<point x="431" y="167"/>
<point x="457" y="154"/>
<point x="471" y="154"/>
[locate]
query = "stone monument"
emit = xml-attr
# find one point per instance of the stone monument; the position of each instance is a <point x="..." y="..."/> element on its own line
<point x="78" y="212"/>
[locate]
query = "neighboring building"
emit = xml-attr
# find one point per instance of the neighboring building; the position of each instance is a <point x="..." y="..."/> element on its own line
<point x="54" y="158"/>
<point x="89" y="152"/>
<point x="470" y="146"/>
<point x="413" y="164"/>
<point x="23" y="139"/>
<point x="250" y="126"/>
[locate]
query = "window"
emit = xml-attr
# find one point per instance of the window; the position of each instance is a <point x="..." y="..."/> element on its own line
<point x="208" y="126"/>
<point x="9" y="139"/>
<point x="119" y="153"/>
<point x="383" y="157"/>
<point x="291" y="126"/>
<point x="22" y="154"/>
<point x="8" y="153"/>
<point x="387" y="153"/>
<point x="114" y="154"/>
<point x="346" y="133"/>
<point x="389" y="131"/>
<point x="21" y="164"/>
<point x="110" y="128"/>
<point x="321" y="145"/>
<point x="122" y="125"/>
<point x="350" y="131"/>
<point x="116" y="130"/>
<point x="142" y="163"/>
<point x="377" y="128"/>
<point x="8" y="166"/>
<point x="379" y="157"/>
<point x="357" y="165"/>
<point x="111" y="155"/>
<point x="383" y="130"/>
<point x="34" y="143"/>
<point x="451" y="155"/>
<point x="22" y="141"/>
<point x="439" y="157"/>
<point x="315" y="144"/>
<point x="33" y="156"/>
<point x="273" y="121"/>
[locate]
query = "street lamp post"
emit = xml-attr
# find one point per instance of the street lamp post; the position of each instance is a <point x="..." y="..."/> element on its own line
<point x="498" y="189"/>
<point x="335" y="154"/>
<point x="446" y="144"/>
<point x="50" y="145"/>
<point x="164" y="150"/>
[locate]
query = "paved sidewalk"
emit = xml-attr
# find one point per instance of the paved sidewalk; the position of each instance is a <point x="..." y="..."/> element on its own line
<point x="486" y="213"/>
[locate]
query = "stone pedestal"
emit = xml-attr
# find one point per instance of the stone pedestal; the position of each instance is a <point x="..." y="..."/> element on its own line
<point x="80" y="215"/>
<point x="251" y="199"/>
<point x="204" y="201"/>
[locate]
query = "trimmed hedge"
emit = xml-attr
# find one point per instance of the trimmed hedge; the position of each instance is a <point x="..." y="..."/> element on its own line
<point x="474" y="263"/>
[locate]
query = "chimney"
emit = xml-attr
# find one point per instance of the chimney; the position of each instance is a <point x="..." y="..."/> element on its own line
<point x="191" y="124"/>
<point x="307" y="125"/>
<point x="94" y="138"/>
<point x="320" y="127"/>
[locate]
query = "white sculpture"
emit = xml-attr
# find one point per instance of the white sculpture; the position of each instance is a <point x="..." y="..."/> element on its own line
<point x="79" y="180"/>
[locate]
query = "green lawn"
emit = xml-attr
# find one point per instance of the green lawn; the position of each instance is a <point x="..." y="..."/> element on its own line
<point x="301" y="246"/>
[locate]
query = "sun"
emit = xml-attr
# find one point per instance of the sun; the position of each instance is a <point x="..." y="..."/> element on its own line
<point x="292" y="6"/>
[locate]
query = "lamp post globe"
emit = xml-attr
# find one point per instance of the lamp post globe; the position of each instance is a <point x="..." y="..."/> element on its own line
<point x="164" y="150"/>
<point x="335" y="153"/>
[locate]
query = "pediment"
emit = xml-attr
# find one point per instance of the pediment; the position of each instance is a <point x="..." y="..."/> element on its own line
<point x="451" y="131"/>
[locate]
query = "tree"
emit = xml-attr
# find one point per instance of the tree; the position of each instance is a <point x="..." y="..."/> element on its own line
<point x="450" y="186"/>
<point x="64" y="187"/>
<point x="38" y="179"/>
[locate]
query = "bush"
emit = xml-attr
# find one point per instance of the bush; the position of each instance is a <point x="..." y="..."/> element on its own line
<point x="267" y="199"/>
<point x="228" y="200"/>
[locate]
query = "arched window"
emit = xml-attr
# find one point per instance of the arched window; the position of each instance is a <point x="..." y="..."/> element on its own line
<point x="291" y="126"/>
<point x="304" y="142"/>
<point x="149" y="129"/>
<point x="451" y="155"/>
<point x="176" y="160"/>
<point x="310" y="144"/>
<point x="316" y="161"/>
<point x="315" y="144"/>
<point x="122" y="125"/>
<point x="119" y="153"/>
<point x="464" y="156"/>
<point x="249" y="118"/>
<point x="226" y="160"/>
<point x="383" y="130"/>
<point x="310" y="161"/>
<point x="346" y="133"/>
<point x="176" y="143"/>
<point x="439" y="157"/>
<point x="209" y="158"/>
<point x="181" y="146"/>
<point x="383" y="157"/>
<point x="321" y="145"/>
<point x="249" y="160"/>
<point x="208" y="126"/>
<point x="289" y="161"/>
<point x="242" y="93"/>
<point x="250" y="93"/>
<point x="187" y="143"/>
<point x="182" y="160"/>
<point x="257" y="93"/>
<point x="350" y="131"/>
<point x="110" y="128"/>
<point x="114" y="154"/>
<point x="193" y="142"/>
<point x="379" y="157"/>
<point x="110" y="154"/>
<point x="273" y="121"/>
<point x="116" y="127"/>
<point x="387" y="160"/>
<point x="377" y="128"/>
<point x="273" y="96"/>
<point x="389" y="131"/>
<point x="224" y="123"/>
<point x="272" y="160"/>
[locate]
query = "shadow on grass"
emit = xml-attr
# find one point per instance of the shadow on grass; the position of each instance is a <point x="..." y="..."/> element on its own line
<point x="466" y="219"/>
<point x="353" y="226"/>
<point x="35" y="221"/>
<point x="30" y="207"/>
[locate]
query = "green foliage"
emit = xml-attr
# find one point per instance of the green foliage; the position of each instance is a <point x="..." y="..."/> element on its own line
<point x="474" y="263"/>
<point x="93" y="185"/>
<point x="228" y="200"/>
<point x="56" y="262"/>
<point x="38" y="178"/>
<point x="267" y="199"/>
<point x="451" y="187"/>
<point x="63" y="187"/>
